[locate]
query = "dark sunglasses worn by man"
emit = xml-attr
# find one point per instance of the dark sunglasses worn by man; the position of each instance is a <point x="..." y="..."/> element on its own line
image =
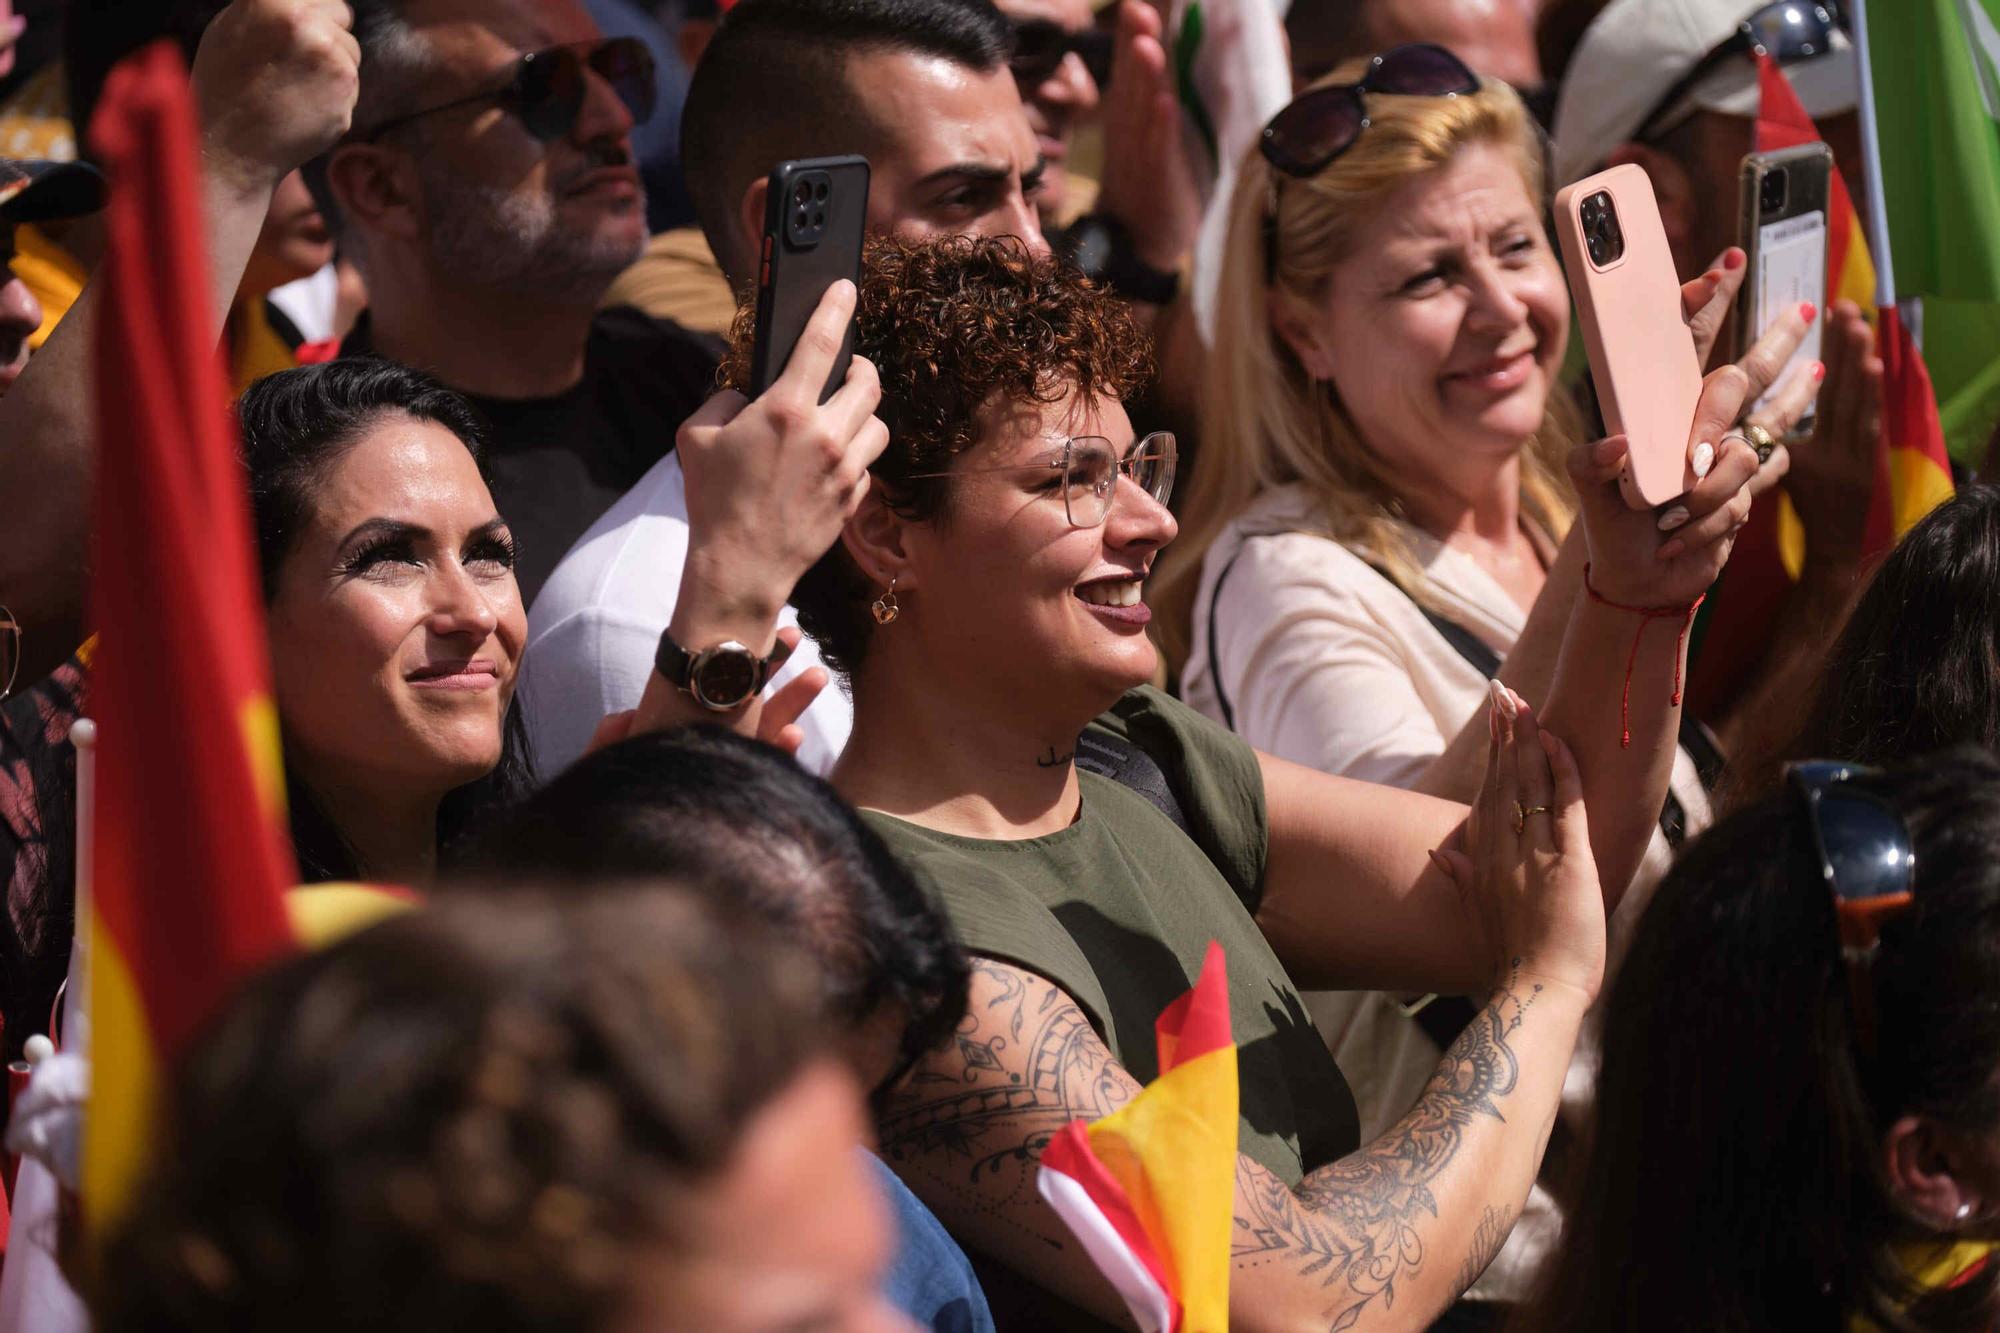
<point x="545" y="89"/>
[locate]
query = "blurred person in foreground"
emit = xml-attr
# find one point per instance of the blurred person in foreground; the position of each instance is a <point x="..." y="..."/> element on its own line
<point x="986" y="607"/>
<point x="1798" y="1118"/>
<point x="273" y="84"/>
<point x="597" y="1113"/>
<point x="718" y="810"/>
<point x="1672" y="86"/>
<point x="30" y="192"/>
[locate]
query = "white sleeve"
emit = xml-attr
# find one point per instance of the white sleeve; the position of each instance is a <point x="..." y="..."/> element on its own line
<point x="589" y="663"/>
<point x="1313" y="675"/>
<point x="831" y="716"/>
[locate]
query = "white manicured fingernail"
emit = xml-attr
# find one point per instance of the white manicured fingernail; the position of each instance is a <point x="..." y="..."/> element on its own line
<point x="1704" y="459"/>
<point x="1504" y="698"/>
<point x="1673" y="518"/>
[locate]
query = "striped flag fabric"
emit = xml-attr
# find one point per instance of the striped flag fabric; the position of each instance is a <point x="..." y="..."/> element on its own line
<point x="1913" y="472"/>
<point x="1149" y="1190"/>
<point x="190" y="850"/>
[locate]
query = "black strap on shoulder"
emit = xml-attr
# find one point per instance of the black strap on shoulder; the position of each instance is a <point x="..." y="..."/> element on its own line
<point x="1126" y="764"/>
<point x="1215" y="662"/>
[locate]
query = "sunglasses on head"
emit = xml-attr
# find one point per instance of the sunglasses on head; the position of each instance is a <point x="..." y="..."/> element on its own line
<point x="1322" y="123"/>
<point x="1040" y="46"/>
<point x="1868" y="864"/>
<point x="545" y="90"/>
<point x="1788" y="31"/>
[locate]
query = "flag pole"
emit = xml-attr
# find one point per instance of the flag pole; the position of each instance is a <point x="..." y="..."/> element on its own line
<point x="76" y="1026"/>
<point x="1871" y="151"/>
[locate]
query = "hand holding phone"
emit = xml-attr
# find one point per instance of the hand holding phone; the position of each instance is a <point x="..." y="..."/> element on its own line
<point x="1628" y="299"/>
<point x="1782" y="226"/>
<point x="815" y="215"/>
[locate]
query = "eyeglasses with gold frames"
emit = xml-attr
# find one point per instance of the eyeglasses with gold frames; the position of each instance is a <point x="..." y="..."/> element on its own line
<point x="1088" y="469"/>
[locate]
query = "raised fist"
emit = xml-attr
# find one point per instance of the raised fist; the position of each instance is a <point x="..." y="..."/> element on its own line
<point x="275" y="83"/>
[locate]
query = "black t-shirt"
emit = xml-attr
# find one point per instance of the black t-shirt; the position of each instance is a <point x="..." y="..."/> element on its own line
<point x="556" y="464"/>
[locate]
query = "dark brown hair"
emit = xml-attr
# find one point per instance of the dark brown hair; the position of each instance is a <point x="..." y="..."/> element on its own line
<point x="469" y="1117"/>
<point x="956" y="325"/>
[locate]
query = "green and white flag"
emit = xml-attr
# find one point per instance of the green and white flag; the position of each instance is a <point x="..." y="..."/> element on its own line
<point x="1936" y="67"/>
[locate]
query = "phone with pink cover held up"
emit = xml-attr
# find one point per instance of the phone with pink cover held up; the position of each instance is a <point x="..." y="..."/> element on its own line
<point x="1628" y="303"/>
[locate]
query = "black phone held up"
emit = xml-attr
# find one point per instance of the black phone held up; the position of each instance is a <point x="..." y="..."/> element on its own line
<point x="815" y="213"/>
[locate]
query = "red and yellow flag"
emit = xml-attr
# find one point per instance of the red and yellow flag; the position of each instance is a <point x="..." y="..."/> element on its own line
<point x="1913" y="471"/>
<point x="1150" y="1189"/>
<point x="188" y="828"/>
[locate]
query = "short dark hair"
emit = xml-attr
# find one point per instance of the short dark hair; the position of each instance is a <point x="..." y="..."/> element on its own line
<point x="712" y="808"/>
<point x="772" y="86"/>
<point x="296" y="426"/>
<point x="481" y="1115"/>
<point x="953" y="323"/>
<point x="1738" y="1127"/>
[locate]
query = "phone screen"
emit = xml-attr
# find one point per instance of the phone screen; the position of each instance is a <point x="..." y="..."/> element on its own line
<point x="1791" y="268"/>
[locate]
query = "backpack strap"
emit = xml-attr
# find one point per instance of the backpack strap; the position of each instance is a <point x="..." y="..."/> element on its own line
<point x="1129" y="766"/>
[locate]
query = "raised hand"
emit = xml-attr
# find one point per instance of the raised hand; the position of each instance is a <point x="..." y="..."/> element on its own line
<point x="770" y="482"/>
<point x="275" y="81"/>
<point x="1147" y="182"/>
<point x="1833" y="474"/>
<point x="1525" y="868"/>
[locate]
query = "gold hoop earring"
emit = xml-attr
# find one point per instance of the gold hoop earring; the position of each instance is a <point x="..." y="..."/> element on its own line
<point x="885" y="608"/>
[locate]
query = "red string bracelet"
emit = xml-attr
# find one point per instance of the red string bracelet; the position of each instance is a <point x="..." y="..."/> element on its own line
<point x="1647" y="615"/>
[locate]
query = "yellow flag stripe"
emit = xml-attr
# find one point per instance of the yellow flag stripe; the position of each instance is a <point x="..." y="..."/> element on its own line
<point x="124" y="1084"/>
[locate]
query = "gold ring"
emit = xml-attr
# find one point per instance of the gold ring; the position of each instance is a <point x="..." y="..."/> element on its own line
<point x="1521" y="814"/>
<point x="1759" y="439"/>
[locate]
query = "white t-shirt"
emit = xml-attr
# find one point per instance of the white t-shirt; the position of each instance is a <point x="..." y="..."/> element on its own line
<point x="1327" y="663"/>
<point x="596" y="624"/>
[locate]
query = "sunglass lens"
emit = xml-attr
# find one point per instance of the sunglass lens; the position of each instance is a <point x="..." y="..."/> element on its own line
<point x="1867" y="846"/>
<point x="1421" y="70"/>
<point x="1039" y="47"/>
<point x="1792" y="31"/>
<point x="627" y="66"/>
<point x="1095" y="49"/>
<point x="1312" y="130"/>
<point x="550" y="92"/>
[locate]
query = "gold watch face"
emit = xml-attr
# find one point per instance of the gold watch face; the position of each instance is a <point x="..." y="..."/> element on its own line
<point x="724" y="677"/>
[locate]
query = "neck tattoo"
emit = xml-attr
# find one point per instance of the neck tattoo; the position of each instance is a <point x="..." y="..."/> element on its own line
<point x="1054" y="760"/>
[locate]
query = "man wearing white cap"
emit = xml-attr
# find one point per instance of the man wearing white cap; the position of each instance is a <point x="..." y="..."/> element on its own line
<point x="1672" y="86"/>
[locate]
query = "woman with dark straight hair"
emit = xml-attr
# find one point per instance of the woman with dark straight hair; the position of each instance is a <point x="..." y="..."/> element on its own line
<point x="1798" y="1115"/>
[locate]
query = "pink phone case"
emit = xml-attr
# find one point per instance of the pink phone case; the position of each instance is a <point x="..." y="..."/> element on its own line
<point x="1641" y="354"/>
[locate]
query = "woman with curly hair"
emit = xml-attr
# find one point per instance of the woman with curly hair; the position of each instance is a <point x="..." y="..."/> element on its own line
<point x="985" y="606"/>
<point x="590" y="1114"/>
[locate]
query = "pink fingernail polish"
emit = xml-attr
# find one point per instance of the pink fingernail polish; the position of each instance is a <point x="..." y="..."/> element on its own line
<point x="1807" y="310"/>
<point x="1819" y="370"/>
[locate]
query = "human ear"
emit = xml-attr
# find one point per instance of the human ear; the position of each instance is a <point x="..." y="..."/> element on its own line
<point x="740" y="253"/>
<point x="1673" y="188"/>
<point x="1298" y="330"/>
<point x="877" y="539"/>
<point x="377" y="189"/>
<point x="1925" y="1171"/>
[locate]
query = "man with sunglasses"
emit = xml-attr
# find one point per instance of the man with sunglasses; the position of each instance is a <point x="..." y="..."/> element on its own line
<point x="488" y="194"/>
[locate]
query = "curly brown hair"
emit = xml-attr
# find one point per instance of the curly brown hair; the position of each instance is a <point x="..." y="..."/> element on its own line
<point x="469" y="1117"/>
<point x="955" y="325"/>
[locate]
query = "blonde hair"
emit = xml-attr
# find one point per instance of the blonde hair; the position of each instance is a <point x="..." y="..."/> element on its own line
<point x="1265" y="422"/>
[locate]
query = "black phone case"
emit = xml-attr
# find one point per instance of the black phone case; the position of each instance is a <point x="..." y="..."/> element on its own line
<point x="1813" y="187"/>
<point x="799" y="260"/>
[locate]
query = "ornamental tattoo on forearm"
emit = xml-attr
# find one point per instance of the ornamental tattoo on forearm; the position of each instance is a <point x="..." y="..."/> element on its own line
<point x="976" y="1131"/>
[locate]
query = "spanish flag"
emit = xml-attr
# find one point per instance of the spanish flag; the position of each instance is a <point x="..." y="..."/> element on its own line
<point x="1913" y="471"/>
<point x="1150" y="1189"/>
<point x="188" y="831"/>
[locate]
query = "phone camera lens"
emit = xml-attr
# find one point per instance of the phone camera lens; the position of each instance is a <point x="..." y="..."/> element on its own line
<point x="803" y="194"/>
<point x="1771" y="196"/>
<point x="819" y="192"/>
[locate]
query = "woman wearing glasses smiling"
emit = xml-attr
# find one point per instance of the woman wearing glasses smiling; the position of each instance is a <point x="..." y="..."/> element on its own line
<point x="1089" y="837"/>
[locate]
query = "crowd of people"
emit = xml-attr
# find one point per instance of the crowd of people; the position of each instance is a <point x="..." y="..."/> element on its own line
<point x="1062" y="638"/>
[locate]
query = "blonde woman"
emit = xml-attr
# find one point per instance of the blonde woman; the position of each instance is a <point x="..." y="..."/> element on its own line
<point x="1380" y="516"/>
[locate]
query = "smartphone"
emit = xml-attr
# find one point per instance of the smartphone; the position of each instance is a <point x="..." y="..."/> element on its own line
<point x="1782" y="205"/>
<point x="1628" y="303"/>
<point x="814" y="216"/>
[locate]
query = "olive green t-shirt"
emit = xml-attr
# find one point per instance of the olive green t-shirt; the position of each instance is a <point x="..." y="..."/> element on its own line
<point x="1118" y="910"/>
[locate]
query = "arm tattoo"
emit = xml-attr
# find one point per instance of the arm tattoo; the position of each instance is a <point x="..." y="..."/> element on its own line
<point x="1353" y="1224"/>
<point x="975" y="1117"/>
<point x="1494" y="1224"/>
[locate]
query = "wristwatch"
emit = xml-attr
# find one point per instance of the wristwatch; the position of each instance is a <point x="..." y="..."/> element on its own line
<point x="1101" y="247"/>
<point x="721" y="678"/>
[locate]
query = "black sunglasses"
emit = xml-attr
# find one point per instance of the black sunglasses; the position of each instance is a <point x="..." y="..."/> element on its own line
<point x="1322" y="123"/>
<point x="1868" y="864"/>
<point x="1785" y="30"/>
<point x="546" y="89"/>
<point x="1040" y="46"/>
